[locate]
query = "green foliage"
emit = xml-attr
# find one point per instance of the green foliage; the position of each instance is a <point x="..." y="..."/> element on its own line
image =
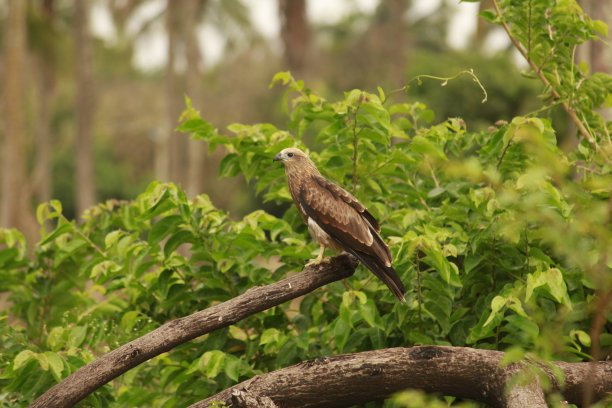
<point x="502" y="239"/>
<point x="548" y="33"/>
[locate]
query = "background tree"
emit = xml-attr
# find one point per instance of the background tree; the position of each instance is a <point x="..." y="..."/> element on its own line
<point x="195" y="150"/>
<point x="295" y="34"/>
<point x="15" y="204"/>
<point x="46" y="61"/>
<point x="84" y="109"/>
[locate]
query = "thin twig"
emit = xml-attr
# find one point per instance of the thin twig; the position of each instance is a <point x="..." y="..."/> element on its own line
<point x="501" y="158"/>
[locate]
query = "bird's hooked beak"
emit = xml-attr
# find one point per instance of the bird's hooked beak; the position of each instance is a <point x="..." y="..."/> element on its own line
<point x="278" y="157"/>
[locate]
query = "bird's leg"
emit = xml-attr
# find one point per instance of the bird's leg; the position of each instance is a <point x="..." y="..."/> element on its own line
<point x="319" y="258"/>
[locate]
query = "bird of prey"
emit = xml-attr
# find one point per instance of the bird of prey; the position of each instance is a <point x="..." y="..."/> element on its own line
<point x="336" y="219"/>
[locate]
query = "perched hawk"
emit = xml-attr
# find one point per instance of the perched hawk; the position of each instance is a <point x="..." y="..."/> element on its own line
<point x="336" y="219"/>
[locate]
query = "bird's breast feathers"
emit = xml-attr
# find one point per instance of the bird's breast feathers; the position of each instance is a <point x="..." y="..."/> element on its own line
<point x="322" y="237"/>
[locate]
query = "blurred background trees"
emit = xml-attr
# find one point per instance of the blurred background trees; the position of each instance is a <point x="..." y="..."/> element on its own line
<point x="93" y="89"/>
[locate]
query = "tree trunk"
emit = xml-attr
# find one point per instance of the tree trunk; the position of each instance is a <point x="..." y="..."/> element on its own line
<point x="295" y="34"/>
<point x="43" y="181"/>
<point x="85" y="182"/>
<point x="174" y="149"/>
<point x="482" y="25"/>
<point x="195" y="149"/>
<point x="346" y="380"/>
<point x="15" y="204"/>
<point x="601" y="55"/>
<point x="386" y="43"/>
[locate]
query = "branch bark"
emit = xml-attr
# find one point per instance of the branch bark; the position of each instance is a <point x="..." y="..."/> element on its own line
<point x="90" y="377"/>
<point x="349" y="379"/>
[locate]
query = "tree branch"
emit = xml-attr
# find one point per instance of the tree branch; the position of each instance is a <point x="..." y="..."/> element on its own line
<point x="349" y="379"/>
<point x="88" y="378"/>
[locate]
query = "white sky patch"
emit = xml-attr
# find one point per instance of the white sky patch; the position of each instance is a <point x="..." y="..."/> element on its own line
<point x="462" y="25"/>
<point x="422" y="9"/>
<point x="150" y="49"/>
<point x="212" y="44"/>
<point x="264" y="18"/>
<point x="496" y="41"/>
<point x="330" y="12"/>
<point x="145" y="13"/>
<point x="101" y="23"/>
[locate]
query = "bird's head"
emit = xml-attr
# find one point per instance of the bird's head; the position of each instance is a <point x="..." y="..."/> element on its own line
<point x="294" y="159"/>
<point x="290" y="154"/>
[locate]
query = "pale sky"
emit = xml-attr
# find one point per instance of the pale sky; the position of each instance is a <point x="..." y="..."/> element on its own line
<point x="150" y="48"/>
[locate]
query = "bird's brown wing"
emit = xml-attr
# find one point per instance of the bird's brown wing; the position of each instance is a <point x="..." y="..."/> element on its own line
<point x="348" y="198"/>
<point x="342" y="217"/>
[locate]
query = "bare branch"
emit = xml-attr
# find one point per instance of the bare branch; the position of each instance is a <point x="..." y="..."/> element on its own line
<point x="350" y="379"/>
<point x="88" y="378"/>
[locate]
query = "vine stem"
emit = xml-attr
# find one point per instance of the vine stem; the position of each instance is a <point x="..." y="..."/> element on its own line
<point x="568" y="109"/>
<point x="444" y="80"/>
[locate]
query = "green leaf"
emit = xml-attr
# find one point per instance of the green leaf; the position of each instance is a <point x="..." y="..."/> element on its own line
<point x="497" y="304"/>
<point x="177" y="239"/>
<point x="63" y="228"/>
<point x="229" y="166"/>
<point x="426" y="147"/>
<point x="269" y="336"/>
<point x="56" y="365"/>
<point x="237" y="333"/>
<point x="513" y="355"/>
<point x="489" y="15"/>
<point x="129" y="320"/>
<point x="43" y="361"/>
<point x="112" y="238"/>
<point x="22" y="358"/>
<point x="56" y="338"/>
<point x="164" y="227"/>
<point x="77" y="336"/>
<point x="433" y="193"/>
<point x="211" y="363"/>
<point x="283" y="77"/>
<point x="232" y="367"/>
<point x="368" y="312"/>
<point x="600" y="27"/>
<point x="582" y="336"/>
<point x="341" y="333"/>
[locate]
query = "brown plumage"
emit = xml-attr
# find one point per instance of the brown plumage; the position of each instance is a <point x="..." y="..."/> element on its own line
<point x="336" y="219"/>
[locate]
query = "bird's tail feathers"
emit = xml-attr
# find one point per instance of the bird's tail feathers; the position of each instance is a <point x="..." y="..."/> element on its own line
<point x="385" y="273"/>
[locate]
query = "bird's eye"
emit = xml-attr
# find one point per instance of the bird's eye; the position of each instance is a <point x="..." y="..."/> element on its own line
<point x="290" y="154"/>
